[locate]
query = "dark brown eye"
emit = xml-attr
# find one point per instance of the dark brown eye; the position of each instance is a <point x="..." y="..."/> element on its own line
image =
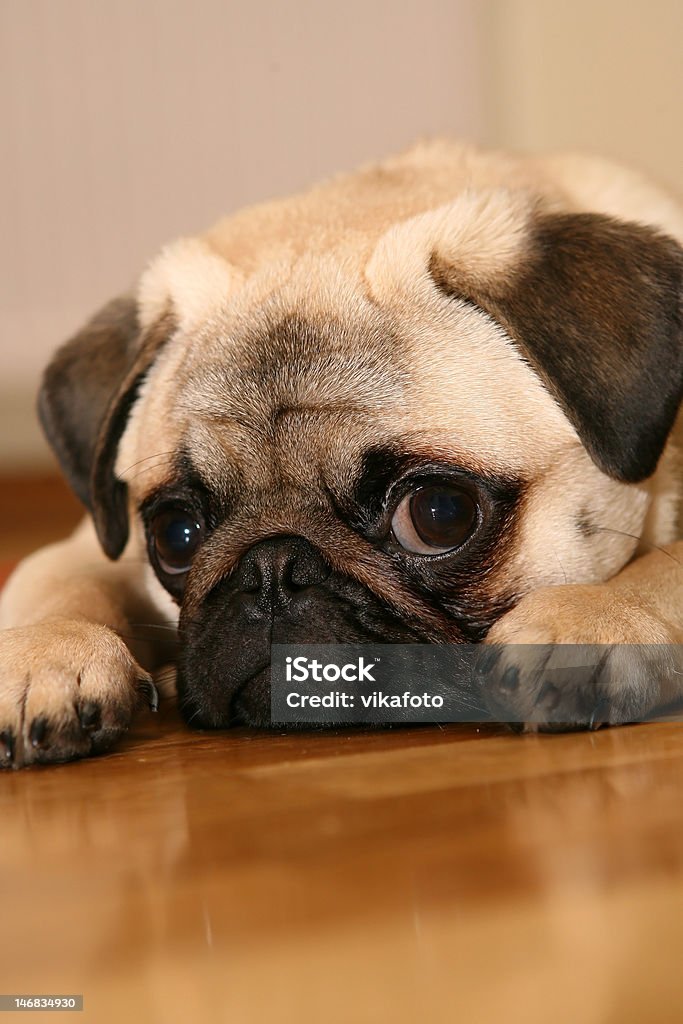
<point x="435" y="519"/>
<point x="176" y="534"/>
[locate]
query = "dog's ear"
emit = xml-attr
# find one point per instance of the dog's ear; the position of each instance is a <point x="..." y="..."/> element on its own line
<point x="596" y="308"/>
<point x="85" y="398"/>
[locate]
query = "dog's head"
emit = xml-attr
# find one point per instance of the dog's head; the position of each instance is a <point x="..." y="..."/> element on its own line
<point x="379" y="412"/>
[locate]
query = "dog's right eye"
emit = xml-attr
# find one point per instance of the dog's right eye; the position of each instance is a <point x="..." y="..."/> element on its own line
<point x="435" y="519"/>
<point x="175" y="535"/>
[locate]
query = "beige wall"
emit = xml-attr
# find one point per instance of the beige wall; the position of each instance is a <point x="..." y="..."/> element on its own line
<point x="128" y="122"/>
<point x="601" y="75"/>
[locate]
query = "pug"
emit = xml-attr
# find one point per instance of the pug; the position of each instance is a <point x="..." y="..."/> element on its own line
<point x="434" y="400"/>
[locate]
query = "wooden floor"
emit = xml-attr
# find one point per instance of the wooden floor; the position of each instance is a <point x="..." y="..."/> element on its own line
<point x="420" y="875"/>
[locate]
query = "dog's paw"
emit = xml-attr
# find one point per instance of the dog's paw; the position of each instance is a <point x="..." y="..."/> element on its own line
<point x="577" y="657"/>
<point x="67" y="689"/>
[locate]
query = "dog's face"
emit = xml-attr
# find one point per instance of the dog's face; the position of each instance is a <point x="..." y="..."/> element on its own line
<point x="382" y="412"/>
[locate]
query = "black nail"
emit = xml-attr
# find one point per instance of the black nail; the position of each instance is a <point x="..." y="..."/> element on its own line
<point x="516" y="727"/>
<point x="149" y="693"/>
<point x="6" y="746"/>
<point x="90" y="715"/>
<point x="38" y="731"/>
<point x="548" y="695"/>
<point x="510" y="679"/>
<point x="600" y="715"/>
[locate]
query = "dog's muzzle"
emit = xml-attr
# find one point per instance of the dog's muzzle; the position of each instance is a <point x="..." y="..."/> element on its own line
<point x="279" y="592"/>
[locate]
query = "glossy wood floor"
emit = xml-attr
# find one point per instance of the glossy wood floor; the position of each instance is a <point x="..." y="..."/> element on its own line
<point x="416" y="875"/>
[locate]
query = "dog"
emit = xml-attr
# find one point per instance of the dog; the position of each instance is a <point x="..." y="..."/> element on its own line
<point x="434" y="400"/>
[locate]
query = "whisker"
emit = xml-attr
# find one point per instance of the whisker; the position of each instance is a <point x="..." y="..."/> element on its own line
<point x="154" y="625"/>
<point x="147" y="458"/>
<point x="633" y="536"/>
<point x="559" y="562"/>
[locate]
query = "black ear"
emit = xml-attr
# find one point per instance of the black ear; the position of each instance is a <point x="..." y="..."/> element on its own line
<point x="596" y="308"/>
<point x="84" y="401"/>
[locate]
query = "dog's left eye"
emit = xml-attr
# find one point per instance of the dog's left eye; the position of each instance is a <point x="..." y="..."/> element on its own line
<point x="176" y="534"/>
<point x="435" y="519"/>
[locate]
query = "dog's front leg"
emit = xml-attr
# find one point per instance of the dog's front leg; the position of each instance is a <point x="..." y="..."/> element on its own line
<point x="632" y="626"/>
<point x="69" y="683"/>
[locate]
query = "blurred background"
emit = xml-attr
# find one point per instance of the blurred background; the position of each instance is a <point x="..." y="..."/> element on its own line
<point x="129" y="122"/>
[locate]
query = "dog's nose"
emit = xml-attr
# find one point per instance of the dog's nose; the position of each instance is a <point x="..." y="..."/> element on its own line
<point x="274" y="574"/>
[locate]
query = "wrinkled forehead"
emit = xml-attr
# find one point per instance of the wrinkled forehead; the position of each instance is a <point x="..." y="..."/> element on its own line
<point x="295" y="388"/>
